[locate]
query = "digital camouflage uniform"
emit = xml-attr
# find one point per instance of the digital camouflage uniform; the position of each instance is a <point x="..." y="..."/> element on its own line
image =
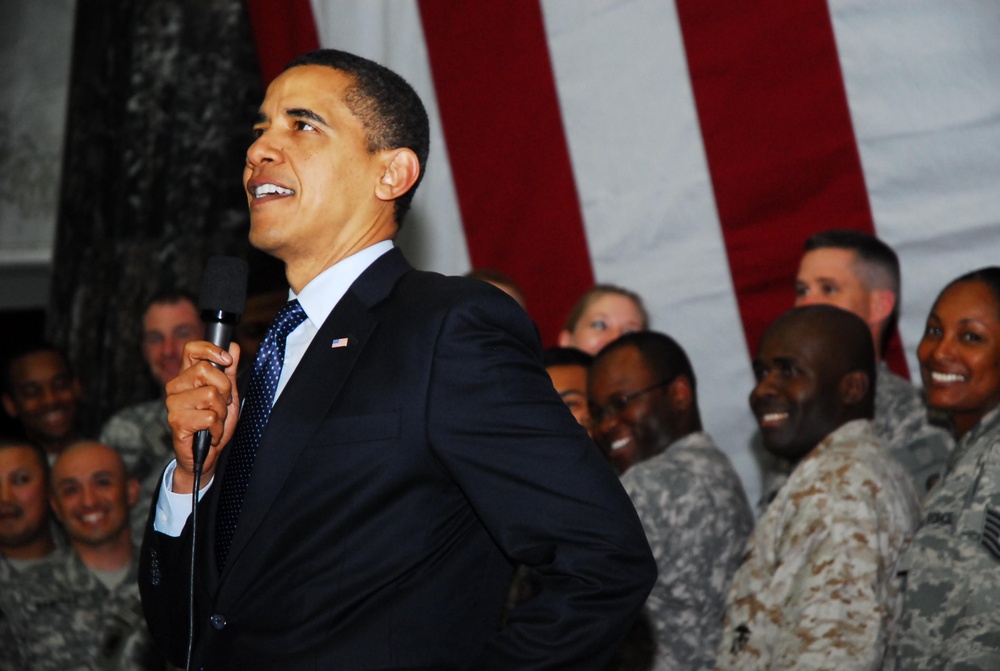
<point x="697" y="520"/>
<point x="817" y="588"/>
<point x="951" y="611"/>
<point x="62" y="618"/>
<point x="901" y="423"/>
<point x="140" y="433"/>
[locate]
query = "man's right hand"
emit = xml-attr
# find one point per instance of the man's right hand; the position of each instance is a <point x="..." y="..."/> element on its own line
<point x="202" y="397"/>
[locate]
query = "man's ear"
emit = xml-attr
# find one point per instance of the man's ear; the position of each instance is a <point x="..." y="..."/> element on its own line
<point x="680" y="393"/>
<point x="54" y="507"/>
<point x="881" y="304"/>
<point x="132" y="491"/>
<point x="853" y="387"/>
<point x="402" y="168"/>
<point x="8" y="405"/>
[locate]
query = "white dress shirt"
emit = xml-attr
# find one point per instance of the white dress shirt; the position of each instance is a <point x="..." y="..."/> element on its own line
<point x="318" y="298"/>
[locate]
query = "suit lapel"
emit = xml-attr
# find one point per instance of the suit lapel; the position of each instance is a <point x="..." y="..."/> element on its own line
<point x="313" y="387"/>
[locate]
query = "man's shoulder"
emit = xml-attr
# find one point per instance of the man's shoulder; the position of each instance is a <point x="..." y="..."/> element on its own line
<point x="852" y="468"/>
<point x="138" y="415"/>
<point x="693" y="467"/>
<point x="55" y="582"/>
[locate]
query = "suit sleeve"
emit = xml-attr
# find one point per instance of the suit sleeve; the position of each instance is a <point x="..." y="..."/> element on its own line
<point x="164" y="585"/>
<point x="540" y="486"/>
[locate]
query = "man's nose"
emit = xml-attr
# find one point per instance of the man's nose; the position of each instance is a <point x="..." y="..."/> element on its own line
<point x="263" y="150"/>
<point x="763" y="389"/>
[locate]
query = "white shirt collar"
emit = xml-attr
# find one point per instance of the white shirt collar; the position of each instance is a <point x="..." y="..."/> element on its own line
<point x="326" y="289"/>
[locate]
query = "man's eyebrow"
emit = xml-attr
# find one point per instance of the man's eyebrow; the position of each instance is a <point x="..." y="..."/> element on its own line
<point x="302" y="113"/>
<point x="295" y="112"/>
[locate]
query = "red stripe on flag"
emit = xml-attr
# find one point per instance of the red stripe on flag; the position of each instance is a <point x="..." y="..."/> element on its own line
<point x="282" y="30"/>
<point x="779" y="141"/>
<point x="509" y="156"/>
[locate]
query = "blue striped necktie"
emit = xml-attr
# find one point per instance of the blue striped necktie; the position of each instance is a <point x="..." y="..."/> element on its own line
<point x="253" y="418"/>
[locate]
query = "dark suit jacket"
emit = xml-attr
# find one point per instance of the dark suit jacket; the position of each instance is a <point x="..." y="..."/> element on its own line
<point x="397" y="480"/>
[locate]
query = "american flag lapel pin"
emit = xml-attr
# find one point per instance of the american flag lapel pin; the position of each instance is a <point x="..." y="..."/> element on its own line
<point x="338" y="342"/>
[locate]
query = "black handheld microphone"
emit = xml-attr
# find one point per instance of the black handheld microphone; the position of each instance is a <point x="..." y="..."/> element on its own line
<point x="223" y="297"/>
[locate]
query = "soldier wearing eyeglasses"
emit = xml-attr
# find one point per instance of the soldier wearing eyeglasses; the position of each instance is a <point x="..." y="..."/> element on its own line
<point x="644" y="413"/>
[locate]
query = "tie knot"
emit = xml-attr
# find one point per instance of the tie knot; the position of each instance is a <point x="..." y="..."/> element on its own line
<point x="289" y="317"/>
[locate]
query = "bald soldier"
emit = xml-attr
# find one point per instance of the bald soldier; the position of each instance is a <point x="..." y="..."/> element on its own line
<point x="816" y="588"/>
<point x="82" y="609"/>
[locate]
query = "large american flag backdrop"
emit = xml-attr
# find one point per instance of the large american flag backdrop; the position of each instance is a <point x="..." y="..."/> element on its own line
<point x="685" y="149"/>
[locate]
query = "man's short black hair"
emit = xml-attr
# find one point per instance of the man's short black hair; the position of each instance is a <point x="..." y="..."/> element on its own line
<point x="878" y="266"/>
<point x="567" y="356"/>
<point x="663" y="355"/>
<point x="37" y="451"/>
<point x="387" y="106"/>
<point x="169" y="297"/>
<point x="25" y="349"/>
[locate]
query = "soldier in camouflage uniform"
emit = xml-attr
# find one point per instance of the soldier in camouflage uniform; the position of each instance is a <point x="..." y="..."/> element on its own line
<point x="80" y="609"/>
<point x="140" y="432"/>
<point x="26" y="536"/>
<point x="141" y="435"/>
<point x="817" y="587"/>
<point x="63" y="617"/>
<point x="860" y="273"/>
<point x="951" y="615"/>
<point x="688" y="496"/>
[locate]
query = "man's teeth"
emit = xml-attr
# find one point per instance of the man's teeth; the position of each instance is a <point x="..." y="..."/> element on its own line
<point x="775" y="416"/>
<point x="268" y="189"/>
<point x="619" y="444"/>
<point x="92" y="518"/>
<point x="947" y="377"/>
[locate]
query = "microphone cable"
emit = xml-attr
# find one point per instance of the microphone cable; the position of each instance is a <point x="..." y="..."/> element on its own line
<point x="194" y="554"/>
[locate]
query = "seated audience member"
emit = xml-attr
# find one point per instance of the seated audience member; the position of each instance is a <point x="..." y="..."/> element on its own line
<point x="25" y="529"/>
<point x="644" y="410"/>
<point x="860" y="273"/>
<point x="567" y="367"/>
<point x="43" y="393"/>
<point x="951" y="618"/>
<point x="83" y="611"/>
<point x="817" y="588"/>
<point x="602" y="314"/>
<point x="140" y="432"/>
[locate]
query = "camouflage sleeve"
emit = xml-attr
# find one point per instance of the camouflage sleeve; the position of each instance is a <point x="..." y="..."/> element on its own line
<point x="830" y="608"/>
<point x="10" y="652"/>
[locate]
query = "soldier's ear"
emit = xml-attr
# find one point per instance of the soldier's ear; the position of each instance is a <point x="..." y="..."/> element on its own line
<point x="853" y="387"/>
<point x="8" y="405"/>
<point x="681" y="394"/>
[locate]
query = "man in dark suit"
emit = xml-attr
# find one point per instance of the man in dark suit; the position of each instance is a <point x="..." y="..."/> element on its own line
<point x="415" y="450"/>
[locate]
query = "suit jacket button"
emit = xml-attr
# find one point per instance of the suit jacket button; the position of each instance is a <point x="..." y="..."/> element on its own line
<point x="218" y="622"/>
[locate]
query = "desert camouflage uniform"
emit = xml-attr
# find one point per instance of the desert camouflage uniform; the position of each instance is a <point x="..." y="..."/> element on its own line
<point x="141" y="435"/>
<point x="697" y="520"/>
<point x="64" y="619"/>
<point x="901" y="422"/>
<point x="951" y="611"/>
<point x="817" y="588"/>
